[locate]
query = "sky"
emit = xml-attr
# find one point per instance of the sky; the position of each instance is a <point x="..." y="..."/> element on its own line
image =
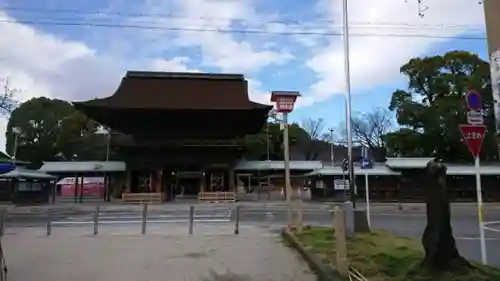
<point x="79" y="50"/>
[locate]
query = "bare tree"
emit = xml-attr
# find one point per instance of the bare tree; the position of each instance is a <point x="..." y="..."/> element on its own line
<point x="312" y="143"/>
<point x="314" y="127"/>
<point x="369" y="129"/>
<point x="7" y="102"/>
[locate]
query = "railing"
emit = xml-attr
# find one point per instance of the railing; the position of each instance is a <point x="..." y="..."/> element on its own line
<point x="217" y="196"/>
<point x="151" y="198"/>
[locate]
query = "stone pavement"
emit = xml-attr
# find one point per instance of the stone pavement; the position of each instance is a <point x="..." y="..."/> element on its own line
<point x="256" y="255"/>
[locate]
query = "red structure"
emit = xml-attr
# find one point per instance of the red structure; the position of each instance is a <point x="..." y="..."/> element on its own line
<point x="285" y="100"/>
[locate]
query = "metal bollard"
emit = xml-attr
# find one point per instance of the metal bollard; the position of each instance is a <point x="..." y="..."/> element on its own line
<point x="49" y="222"/>
<point x="96" y="220"/>
<point x="191" y="219"/>
<point x="237" y="220"/>
<point x="144" y="218"/>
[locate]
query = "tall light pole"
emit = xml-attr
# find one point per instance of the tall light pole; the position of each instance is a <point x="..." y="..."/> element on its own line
<point x="106" y="176"/>
<point x="332" y="147"/>
<point x="108" y="143"/>
<point x="268" y="141"/>
<point x="16" y="131"/>
<point x="285" y="101"/>
<point x="345" y="19"/>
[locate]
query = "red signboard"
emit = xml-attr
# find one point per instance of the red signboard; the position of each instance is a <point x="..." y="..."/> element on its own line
<point x="474" y="136"/>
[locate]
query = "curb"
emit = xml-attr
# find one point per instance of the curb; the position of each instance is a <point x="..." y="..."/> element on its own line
<point x="323" y="272"/>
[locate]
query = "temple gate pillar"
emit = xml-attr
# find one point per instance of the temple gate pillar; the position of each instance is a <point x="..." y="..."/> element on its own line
<point x="203" y="182"/>
<point x="231" y="180"/>
<point x="128" y="181"/>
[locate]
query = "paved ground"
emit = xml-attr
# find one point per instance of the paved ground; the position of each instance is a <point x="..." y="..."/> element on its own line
<point x="256" y="255"/>
<point x="170" y="219"/>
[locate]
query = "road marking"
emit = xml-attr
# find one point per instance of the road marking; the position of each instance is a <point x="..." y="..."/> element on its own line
<point x="493" y="222"/>
<point x="138" y="221"/>
<point x="478" y="238"/>
<point x="269" y="215"/>
<point x="491" y="229"/>
<point x="398" y="215"/>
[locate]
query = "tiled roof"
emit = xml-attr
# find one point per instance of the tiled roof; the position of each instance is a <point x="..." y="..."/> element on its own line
<point x="377" y="170"/>
<point x="277" y="165"/>
<point x="407" y="162"/>
<point x="167" y="90"/>
<point x="83" y="166"/>
<point x="26" y="174"/>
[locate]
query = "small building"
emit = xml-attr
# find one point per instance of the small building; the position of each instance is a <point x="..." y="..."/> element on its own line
<point x="23" y="186"/>
<point x="111" y="172"/>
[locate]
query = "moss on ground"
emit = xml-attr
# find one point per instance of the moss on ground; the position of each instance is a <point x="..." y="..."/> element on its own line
<point x="382" y="256"/>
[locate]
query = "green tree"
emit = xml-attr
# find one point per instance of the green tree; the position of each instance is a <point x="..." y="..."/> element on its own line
<point x="49" y="129"/>
<point x="431" y="108"/>
<point x="256" y="145"/>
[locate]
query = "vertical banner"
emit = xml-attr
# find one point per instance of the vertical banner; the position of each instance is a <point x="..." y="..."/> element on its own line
<point x="495" y="85"/>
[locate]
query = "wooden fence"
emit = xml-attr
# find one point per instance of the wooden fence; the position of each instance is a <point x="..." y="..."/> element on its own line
<point x="151" y="198"/>
<point x="217" y="196"/>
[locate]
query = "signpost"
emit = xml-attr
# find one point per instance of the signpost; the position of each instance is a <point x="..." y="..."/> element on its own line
<point x="341" y="184"/>
<point x="365" y="165"/>
<point x="473" y="134"/>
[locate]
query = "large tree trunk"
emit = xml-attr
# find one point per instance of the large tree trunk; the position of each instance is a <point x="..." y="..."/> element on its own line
<point x="440" y="248"/>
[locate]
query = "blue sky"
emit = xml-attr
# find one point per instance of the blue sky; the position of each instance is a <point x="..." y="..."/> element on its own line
<point x="78" y="62"/>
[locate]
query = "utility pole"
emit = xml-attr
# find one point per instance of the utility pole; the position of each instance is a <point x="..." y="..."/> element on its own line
<point x="347" y="70"/>
<point x="492" y="21"/>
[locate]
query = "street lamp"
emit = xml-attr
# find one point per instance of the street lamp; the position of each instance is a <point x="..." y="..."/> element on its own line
<point x="285" y="101"/>
<point x="16" y="131"/>
<point x="332" y="153"/>
<point x="106" y="176"/>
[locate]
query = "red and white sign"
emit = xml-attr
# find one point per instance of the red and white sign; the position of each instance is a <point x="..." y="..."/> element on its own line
<point x="474" y="136"/>
<point x="475" y="117"/>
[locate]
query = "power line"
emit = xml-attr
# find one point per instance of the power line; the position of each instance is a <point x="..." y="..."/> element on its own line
<point x="239" y="31"/>
<point x="174" y="16"/>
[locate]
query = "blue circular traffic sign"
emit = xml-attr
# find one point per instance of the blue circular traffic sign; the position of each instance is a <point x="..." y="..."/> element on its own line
<point x="473" y="100"/>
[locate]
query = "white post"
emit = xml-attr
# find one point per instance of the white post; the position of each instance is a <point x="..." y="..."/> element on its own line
<point x="14" y="153"/>
<point x="480" y="212"/>
<point x="286" y="154"/>
<point x="367" y="191"/>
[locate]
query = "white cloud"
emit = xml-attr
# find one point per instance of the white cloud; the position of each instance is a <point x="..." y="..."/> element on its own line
<point x="221" y="50"/>
<point x="177" y="64"/>
<point x="40" y="64"/>
<point x="255" y="92"/>
<point x="375" y="61"/>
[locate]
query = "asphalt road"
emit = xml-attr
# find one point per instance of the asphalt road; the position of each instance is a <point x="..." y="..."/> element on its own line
<point x="409" y="223"/>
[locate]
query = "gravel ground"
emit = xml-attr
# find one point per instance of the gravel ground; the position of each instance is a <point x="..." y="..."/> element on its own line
<point x="256" y="255"/>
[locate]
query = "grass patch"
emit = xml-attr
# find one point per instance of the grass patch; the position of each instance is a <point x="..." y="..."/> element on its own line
<point x="382" y="256"/>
